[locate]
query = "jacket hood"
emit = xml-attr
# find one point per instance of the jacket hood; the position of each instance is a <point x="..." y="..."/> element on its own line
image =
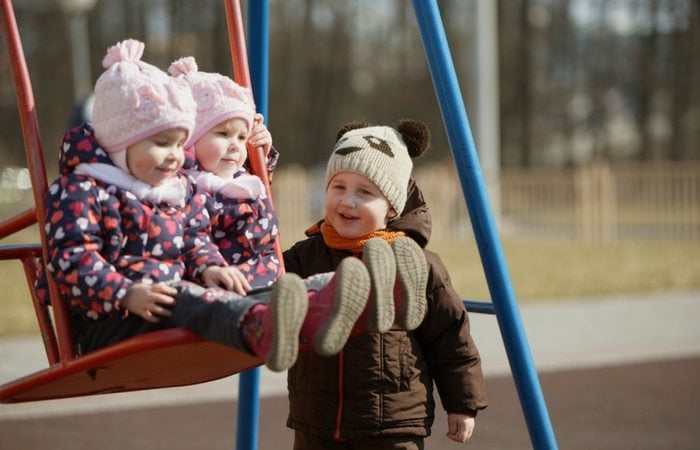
<point x="78" y="146"/>
<point x="415" y="220"/>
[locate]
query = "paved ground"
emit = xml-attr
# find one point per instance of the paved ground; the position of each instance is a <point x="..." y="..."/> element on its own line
<point x="616" y="373"/>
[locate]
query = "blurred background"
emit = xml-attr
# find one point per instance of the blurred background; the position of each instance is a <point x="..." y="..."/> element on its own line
<point x="586" y="115"/>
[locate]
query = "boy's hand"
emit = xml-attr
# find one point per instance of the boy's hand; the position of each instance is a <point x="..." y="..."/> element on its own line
<point x="460" y="427"/>
<point x="149" y="301"/>
<point x="260" y="136"/>
<point x="229" y="278"/>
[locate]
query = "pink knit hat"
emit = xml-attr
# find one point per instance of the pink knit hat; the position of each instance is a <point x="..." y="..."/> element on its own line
<point x="218" y="97"/>
<point x="135" y="100"/>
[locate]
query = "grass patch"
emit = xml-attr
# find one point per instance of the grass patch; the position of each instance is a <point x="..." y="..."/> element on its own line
<point x="540" y="271"/>
<point x="548" y="271"/>
<point x="18" y="315"/>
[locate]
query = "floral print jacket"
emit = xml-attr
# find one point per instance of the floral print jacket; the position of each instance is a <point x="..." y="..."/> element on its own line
<point x="102" y="239"/>
<point x="245" y="232"/>
<point x="245" y="229"/>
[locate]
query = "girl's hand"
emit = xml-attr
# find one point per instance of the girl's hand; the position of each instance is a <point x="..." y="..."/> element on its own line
<point x="229" y="278"/>
<point x="149" y="301"/>
<point x="260" y="136"/>
<point x="460" y="427"/>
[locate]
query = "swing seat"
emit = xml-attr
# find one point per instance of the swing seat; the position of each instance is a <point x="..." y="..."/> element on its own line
<point x="166" y="358"/>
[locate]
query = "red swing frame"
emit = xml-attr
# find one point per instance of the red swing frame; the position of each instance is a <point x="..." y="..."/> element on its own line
<point x="166" y="358"/>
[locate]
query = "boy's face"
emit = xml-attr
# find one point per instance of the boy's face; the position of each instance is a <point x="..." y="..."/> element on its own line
<point x="222" y="150"/>
<point x="355" y="206"/>
<point x="158" y="157"/>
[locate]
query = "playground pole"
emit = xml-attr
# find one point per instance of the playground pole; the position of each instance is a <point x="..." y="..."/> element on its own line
<point x="466" y="160"/>
<point x="258" y="49"/>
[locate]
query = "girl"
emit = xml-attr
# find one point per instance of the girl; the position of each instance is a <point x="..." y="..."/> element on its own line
<point x="244" y="224"/>
<point x="126" y="228"/>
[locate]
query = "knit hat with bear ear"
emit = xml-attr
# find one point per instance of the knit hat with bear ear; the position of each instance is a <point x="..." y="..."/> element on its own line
<point x="382" y="154"/>
<point x="218" y="97"/>
<point x="135" y="100"/>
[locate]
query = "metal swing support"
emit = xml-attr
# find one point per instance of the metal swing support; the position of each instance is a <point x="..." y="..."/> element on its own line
<point x="483" y="223"/>
<point x="473" y="187"/>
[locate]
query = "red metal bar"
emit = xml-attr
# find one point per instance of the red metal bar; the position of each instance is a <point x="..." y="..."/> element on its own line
<point x="43" y="317"/>
<point x="17" y="223"/>
<point x="35" y="158"/>
<point x="28" y="254"/>
<point x="236" y="34"/>
<point x="18" y="251"/>
<point x="241" y="74"/>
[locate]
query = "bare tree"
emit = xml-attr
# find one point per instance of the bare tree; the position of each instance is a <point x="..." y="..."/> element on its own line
<point x="524" y="83"/>
<point x="681" y="67"/>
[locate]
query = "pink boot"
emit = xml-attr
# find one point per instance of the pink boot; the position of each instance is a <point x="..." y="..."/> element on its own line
<point x="399" y="275"/>
<point x="411" y="283"/>
<point x="335" y="307"/>
<point x="378" y="316"/>
<point x="271" y="330"/>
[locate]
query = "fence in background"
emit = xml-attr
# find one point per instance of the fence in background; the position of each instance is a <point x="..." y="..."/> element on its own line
<point x="595" y="203"/>
<point x="599" y="202"/>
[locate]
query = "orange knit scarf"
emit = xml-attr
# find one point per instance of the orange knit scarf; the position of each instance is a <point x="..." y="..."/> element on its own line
<point x="355" y="246"/>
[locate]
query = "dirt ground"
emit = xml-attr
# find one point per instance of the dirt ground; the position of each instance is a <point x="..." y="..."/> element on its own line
<point x="637" y="406"/>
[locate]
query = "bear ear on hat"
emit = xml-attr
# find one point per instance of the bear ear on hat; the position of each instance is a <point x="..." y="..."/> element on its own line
<point x="354" y="125"/>
<point x="416" y="136"/>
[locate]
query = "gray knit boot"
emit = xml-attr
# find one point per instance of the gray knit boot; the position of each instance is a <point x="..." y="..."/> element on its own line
<point x="411" y="283"/>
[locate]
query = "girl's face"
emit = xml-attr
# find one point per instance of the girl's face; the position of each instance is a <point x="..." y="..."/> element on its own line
<point x="222" y="150"/>
<point x="158" y="157"/>
<point x="355" y="206"/>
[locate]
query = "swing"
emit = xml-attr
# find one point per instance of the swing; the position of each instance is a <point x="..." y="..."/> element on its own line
<point x="165" y="358"/>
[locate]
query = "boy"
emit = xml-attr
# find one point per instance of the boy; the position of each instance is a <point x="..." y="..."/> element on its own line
<point x="379" y="387"/>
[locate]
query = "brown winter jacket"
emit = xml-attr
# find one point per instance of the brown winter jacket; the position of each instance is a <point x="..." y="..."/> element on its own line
<point x="381" y="384"/>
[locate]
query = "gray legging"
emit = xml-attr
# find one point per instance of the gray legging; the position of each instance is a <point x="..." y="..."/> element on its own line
<point x="213" y="314"/>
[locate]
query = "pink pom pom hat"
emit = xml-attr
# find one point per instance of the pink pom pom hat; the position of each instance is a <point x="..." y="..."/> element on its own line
<point x="218" y="97"/>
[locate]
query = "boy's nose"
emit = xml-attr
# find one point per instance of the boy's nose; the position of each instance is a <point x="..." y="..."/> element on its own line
<point x="349" y="200"/>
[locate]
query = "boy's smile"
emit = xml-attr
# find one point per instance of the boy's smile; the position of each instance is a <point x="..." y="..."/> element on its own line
<point x="355" y="206"/>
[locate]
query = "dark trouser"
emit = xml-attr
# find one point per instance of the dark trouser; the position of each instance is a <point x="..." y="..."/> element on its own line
<point x="213" y="314"/>
<point x="306" y="441"/>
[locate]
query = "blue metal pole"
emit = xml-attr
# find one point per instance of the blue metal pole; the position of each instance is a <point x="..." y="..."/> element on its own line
<point x="248" y="410"/>
<point x="466" y="160"/>
<point x="258" y="49"/>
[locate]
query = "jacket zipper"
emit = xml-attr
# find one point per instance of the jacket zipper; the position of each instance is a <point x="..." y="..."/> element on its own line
<point x="339" y="412"/>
